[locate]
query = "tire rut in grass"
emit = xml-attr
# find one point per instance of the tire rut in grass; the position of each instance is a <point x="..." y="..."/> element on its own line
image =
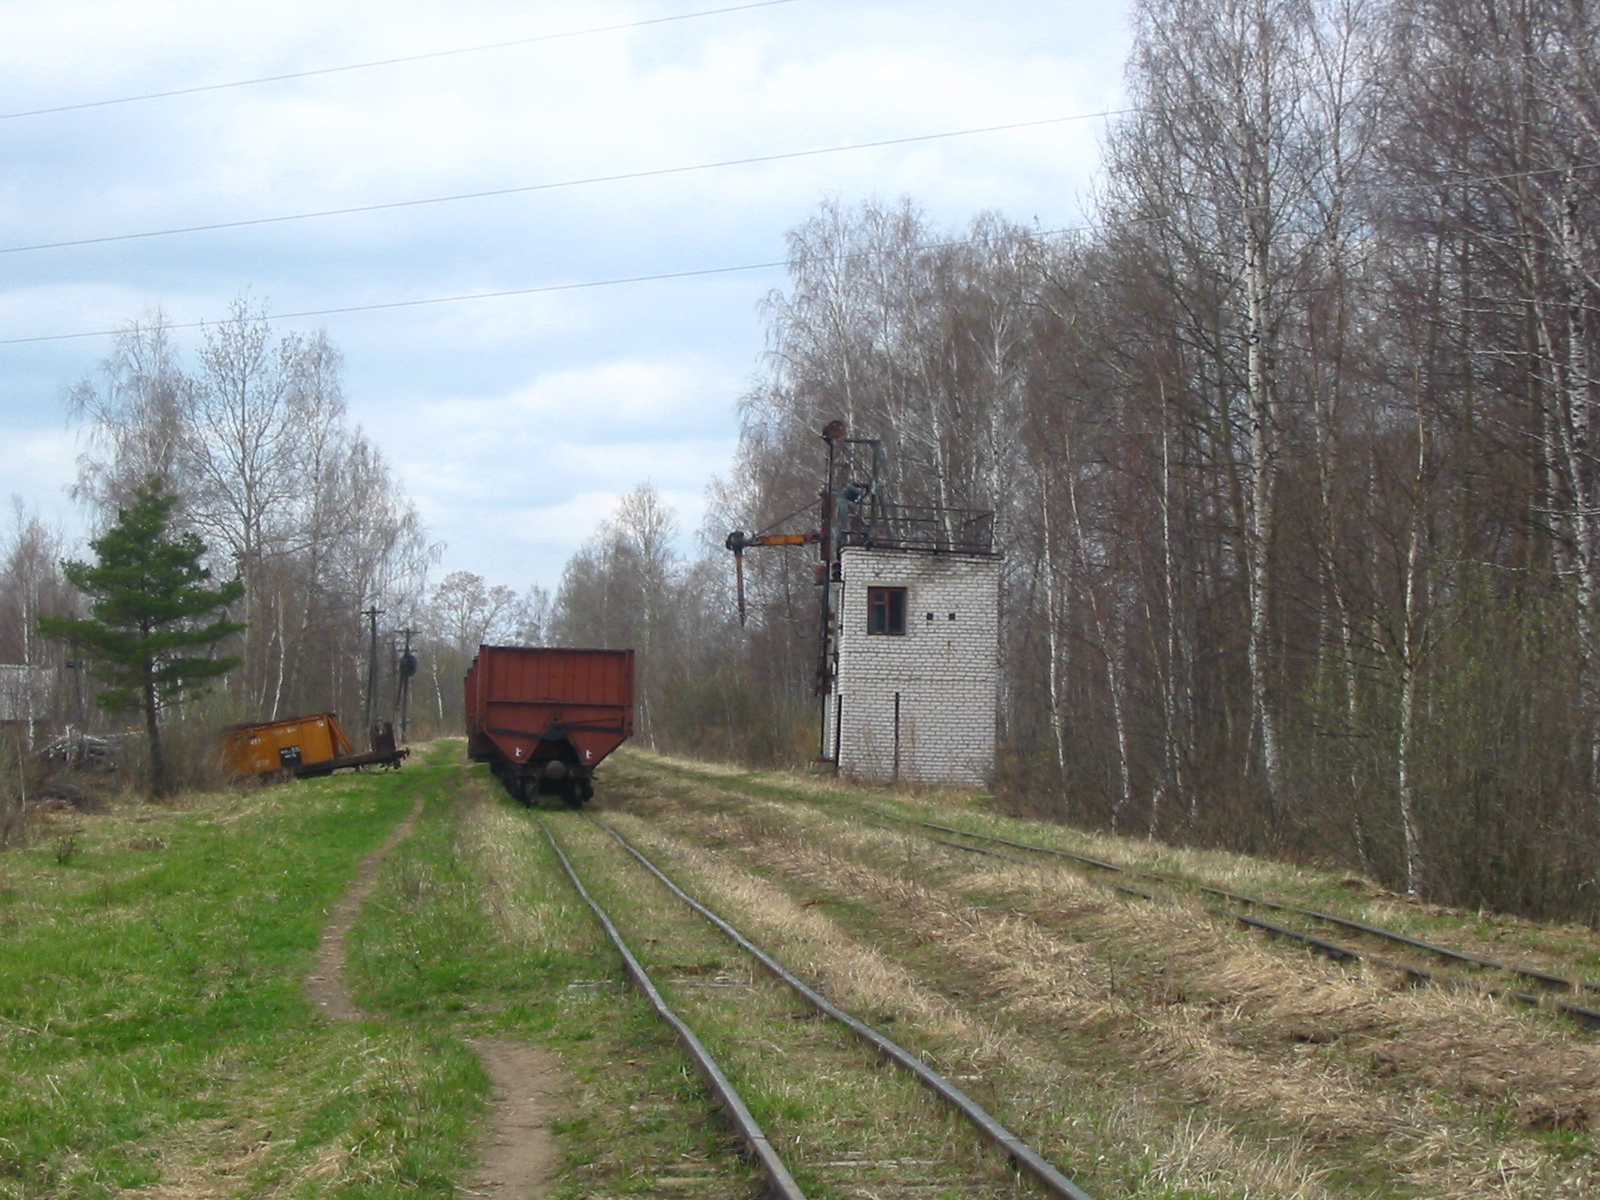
<point x="325" y="986"/>
<point x="516" y="1152"/>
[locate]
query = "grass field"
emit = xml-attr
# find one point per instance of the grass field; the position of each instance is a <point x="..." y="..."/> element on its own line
<point x="157" y="1041"/>
<point x="151" y="1014"/>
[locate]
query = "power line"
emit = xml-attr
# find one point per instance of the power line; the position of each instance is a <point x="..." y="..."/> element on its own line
<point x="659" y="172"/>
<point x="702" y="272"/>
<point x="355" y="308"/>
<point x="532" y="291"/>
<point x="545" y="187"/>
<point x="389" y="62"/>
<point x="1451" y="180"/>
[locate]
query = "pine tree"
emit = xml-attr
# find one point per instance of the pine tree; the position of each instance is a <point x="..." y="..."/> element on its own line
<point x="149" y="612"/>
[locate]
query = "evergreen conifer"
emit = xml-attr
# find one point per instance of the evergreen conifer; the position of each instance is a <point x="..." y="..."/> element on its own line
<point x="152" y="620"/>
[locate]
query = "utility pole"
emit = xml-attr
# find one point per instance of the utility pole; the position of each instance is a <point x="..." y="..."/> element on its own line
<point x="372" y="615"/>
<point x="402" y="699"/>
<point x="75" y="664"/>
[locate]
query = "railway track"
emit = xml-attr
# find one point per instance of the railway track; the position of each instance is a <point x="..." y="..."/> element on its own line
<point x="780" y="1178"/>
<point x="1582" y="1014"/>
<point x="1119" y="1025"/>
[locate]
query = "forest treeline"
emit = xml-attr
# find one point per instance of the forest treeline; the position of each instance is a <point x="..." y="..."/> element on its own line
<point x="249" y="431"/>
<point x="1292" y="455"/>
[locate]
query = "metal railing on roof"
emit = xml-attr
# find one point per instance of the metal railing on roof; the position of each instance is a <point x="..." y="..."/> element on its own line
<point x="929" y="529"/>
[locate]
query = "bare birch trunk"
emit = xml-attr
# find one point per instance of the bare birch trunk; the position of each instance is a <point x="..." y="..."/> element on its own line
<point x="1577" y="393"/>
<point x="283" y="657"/>
<point x="1263" y="451"/>
<point x="1053" y="639"/>
<point x="1168" y="664"/>
<point x="1410" y="650"/>
<point x="1123" y="801"/>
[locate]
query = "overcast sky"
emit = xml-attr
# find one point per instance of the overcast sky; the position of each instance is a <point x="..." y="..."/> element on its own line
<point x="514" y="423"/>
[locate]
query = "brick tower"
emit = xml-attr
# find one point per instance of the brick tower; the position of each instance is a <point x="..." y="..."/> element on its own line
<point x="908" y="669"/>
<point x="913" y="696"/>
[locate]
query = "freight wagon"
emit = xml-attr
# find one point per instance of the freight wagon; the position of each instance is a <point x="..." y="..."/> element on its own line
<point x="303" y="746"/>
<point x="543" y="718"/>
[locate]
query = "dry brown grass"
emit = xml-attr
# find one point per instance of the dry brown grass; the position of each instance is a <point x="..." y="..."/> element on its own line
<point x="208" y="1160"/>
<point x="1405" y="1081"/>
<point x="503" y="844"/>
<point x="1045" y="1097"/>
<point x="1569" y="949"/>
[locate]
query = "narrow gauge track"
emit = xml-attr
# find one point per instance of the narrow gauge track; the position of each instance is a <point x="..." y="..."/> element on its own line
<point x="1588" y="1017"/>
<point x="744" y="1122"/>
<point x="750" y="1132"/>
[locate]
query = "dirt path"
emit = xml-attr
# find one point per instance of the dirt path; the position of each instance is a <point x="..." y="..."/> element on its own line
<point x="516" y="1153"/>
<point x="325" y="987"/>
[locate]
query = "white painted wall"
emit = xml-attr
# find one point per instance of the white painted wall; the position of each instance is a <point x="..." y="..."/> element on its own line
<point x="945" y="669"/>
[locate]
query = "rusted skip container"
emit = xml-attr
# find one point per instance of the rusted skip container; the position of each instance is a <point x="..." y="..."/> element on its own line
<point x="288" y="745"/>
<point x="545" y="717"/>
<point x="304" y="746"/>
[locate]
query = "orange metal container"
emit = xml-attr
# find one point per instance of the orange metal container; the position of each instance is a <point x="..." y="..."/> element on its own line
<point x="289" y="745"/>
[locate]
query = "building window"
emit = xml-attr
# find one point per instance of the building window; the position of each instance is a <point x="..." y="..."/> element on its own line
<point x="886" y="610"/>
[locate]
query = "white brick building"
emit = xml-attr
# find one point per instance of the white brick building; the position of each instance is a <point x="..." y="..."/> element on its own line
<point x="914" y="696"/>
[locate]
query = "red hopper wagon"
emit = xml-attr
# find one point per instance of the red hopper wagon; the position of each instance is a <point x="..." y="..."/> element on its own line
<point x="544" y="718"/>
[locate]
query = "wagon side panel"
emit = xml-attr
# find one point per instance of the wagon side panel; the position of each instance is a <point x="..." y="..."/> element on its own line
<point x="536" y="705"/>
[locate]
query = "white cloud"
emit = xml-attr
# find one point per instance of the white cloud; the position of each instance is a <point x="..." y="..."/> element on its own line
<point x="37" y="466"/>
<point x="517" y="422"/>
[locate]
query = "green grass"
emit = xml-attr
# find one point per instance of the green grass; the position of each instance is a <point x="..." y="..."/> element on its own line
<point x="154" y="1028"/>
<point x="151" y="1004"/>
<point x="474" y="931"/>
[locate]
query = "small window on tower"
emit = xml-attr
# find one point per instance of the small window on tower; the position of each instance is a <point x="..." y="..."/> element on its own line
<point x="886" y="610"/>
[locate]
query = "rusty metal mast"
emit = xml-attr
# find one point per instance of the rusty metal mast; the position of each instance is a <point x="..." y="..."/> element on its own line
<point x="835" y="503"/>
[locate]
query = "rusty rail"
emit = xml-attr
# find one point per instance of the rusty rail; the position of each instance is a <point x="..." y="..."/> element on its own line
<point x="749" y="1129"/>
<point x="1024" y="1156"/>
<point x="1586" y="1016"/>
